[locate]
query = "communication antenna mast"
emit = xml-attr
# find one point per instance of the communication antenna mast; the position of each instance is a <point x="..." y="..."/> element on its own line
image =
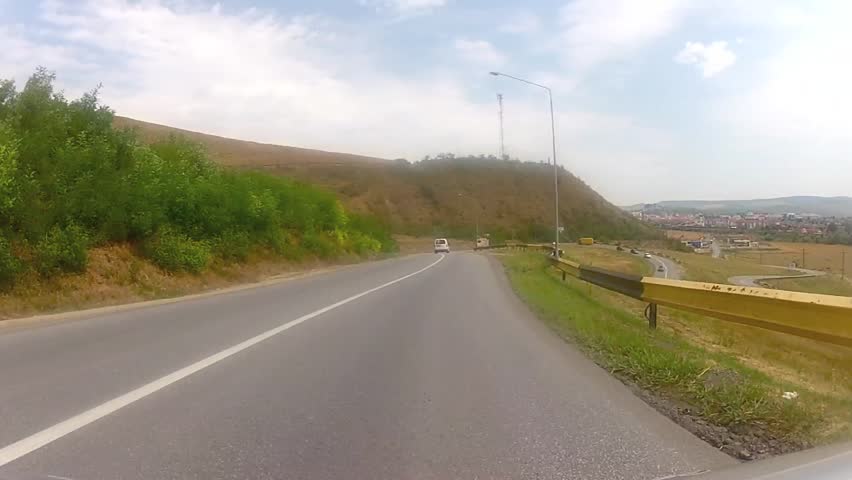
<point x="502" y="148"/>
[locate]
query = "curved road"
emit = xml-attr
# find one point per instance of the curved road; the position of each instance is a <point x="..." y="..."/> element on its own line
<point x="415" y="368"/>
<point x="754" y="280"/>
<point x="671" y="270"/>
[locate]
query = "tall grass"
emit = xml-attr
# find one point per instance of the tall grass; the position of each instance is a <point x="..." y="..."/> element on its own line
<point x="70" y="181"/>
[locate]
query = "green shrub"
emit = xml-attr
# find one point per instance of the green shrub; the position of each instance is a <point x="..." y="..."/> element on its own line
<point x="174" y="251"/>
<point x="233" y="245"/>
<point x="285" y="244"/>
<point x="371" y="227"/>
<point x="62" y="250"/>
<point x="361" y="244"/>
<point x="9" y="188"/>
<point x="63" y="163"/>
<point x="320" y="245"/>
<point x="10" y="266"/>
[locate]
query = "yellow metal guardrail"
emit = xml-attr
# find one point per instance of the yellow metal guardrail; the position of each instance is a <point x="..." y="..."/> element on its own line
<point x="826" y="318"/>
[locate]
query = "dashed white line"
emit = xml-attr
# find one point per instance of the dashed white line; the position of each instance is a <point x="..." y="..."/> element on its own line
<point x="29" y="444"/>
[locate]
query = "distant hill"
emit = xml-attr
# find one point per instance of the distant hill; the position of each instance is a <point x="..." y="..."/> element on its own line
<point x="239" y="153"/>
<point x="825" y="206"/>
<point x="442" y="196"/>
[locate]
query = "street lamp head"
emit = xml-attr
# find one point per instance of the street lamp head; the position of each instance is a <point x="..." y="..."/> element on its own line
<point x="494" y="73"/>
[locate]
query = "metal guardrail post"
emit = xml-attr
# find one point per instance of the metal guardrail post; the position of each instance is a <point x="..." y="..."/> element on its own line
<point x="651" y="315"/>
<point x="563" y="275"/>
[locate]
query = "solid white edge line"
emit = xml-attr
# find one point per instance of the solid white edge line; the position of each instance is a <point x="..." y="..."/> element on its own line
<point x="29" y="444"/>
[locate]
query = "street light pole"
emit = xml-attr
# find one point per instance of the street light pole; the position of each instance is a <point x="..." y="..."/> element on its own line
<point x="555" y="168"/>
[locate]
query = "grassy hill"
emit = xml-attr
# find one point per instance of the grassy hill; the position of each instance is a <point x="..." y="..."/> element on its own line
<point x="441" y="196"/>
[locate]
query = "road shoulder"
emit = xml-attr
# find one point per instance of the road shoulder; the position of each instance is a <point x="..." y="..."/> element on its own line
<point x="627" y="395"/>
<point x="708" y="393"/>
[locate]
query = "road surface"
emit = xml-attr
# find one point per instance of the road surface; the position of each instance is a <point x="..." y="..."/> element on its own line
<point x="754" y="280"/>
<point x="415" y="368"/>
<point x="671" y="270"/>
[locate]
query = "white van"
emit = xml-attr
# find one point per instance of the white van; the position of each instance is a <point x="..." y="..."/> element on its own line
<point x="442" y="245"/>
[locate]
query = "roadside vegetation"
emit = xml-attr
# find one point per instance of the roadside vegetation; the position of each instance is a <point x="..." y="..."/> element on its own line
<point x="608" y="258"/>
<point x="828" y="285"/>
<point x="723" y="382"/>
<point x="71" y="182"/>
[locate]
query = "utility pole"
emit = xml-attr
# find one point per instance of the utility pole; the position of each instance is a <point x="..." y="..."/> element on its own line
<point x="843" y="264"/>
<point x="553" y="146"/>
<point x="502" y="146"/>
<point x="803" y="258"/>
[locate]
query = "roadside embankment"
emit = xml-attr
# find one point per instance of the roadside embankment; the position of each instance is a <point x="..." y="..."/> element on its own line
<point x="752" y="393"/>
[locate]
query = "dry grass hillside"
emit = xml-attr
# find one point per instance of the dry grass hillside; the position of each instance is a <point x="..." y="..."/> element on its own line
<point x="444" y="196"/>
<point x="240" y="153"/>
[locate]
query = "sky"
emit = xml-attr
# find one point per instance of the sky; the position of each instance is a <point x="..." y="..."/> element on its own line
<point x="654" y="99"/>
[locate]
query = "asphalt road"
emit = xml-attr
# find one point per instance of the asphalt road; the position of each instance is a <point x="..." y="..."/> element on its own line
<point x="754" y="280"/>
<point x="671" y="270"/>
<point x="400" y="369"/>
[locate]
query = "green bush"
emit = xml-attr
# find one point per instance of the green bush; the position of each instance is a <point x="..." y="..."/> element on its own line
<point x="9" y="188"/>
<point x="233" y="245"/>
<point x="361" y="244"/>
<point x="320" y="244"/>
<point x="174" y="251"/>
<point x="285" y="244"/>
<point x="10" y="266"/>
<point x="62" y="250"/>
<point x="63" y="164"/>
<point x="371" y="227"/>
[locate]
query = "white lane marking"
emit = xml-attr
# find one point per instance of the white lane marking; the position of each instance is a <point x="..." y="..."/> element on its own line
<point x="22" y="447"/>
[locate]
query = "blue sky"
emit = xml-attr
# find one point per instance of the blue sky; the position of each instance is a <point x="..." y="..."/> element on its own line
<point x="655" y="99"/>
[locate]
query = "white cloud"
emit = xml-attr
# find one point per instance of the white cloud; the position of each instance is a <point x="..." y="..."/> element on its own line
<point x="404" y="7"/>
<point x="292" y="81"/>
<point x="711" y="59"/>
<point x="480" y="51"/>
<point x="520" y="23"/>
<point x="802" y="92"/>
<point x="598" y="31"/>
<point x="310" y="82"/>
